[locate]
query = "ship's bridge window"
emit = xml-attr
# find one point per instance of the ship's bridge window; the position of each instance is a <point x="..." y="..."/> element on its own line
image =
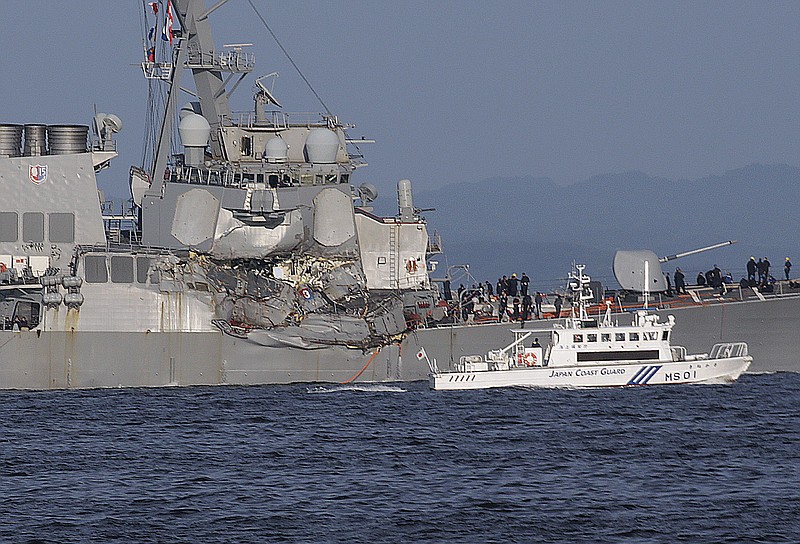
<point x="633" y="337"/>
<point x="605" y="337"/>
<point x="62" y="227"/>
<point x="306" y="179"/>
<point x="33" y="227"/>
<point x="142" y="266"/>
<point x="95" y="270"/>
<point x="9" y="226"/>
<point x="591" y="338"/>
<point x="121" y="269"/>
<point x="665" y="335"/>
<point x="619" y="336"/>
<point x="330" y="178"/>
<point x="650" y="335"/>
<point x="344" y="178"/>
<point x="578" y="338"/>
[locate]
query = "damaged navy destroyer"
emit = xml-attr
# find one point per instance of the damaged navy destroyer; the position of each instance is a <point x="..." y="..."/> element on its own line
<point x="247" y="256"/>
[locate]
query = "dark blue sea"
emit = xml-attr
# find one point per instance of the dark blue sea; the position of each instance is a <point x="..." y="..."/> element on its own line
<point x="400" y="463"/>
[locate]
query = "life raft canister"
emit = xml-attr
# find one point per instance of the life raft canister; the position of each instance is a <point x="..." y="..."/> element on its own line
<point x="526" y="359"/>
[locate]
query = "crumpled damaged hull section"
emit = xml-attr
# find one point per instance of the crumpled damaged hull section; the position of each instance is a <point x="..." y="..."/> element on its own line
<point x="320" y="330"/>
<point x="235" y="240"/>
<point x="306" y="303"/>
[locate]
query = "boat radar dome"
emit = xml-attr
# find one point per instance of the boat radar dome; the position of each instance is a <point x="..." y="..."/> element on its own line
<point x="189" y="108"/>
<point x="276" y="150"/>
<point x="194" y="131"/>
<point x="322" y="146"/>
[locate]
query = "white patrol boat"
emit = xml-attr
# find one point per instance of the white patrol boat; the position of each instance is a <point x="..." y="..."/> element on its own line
<point x="590" y="352"/>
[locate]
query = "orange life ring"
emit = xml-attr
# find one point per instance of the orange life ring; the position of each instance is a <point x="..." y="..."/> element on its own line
<point x="526" y="359"/>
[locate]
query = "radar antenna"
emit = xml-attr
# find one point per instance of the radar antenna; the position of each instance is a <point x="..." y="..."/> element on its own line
<point x="264" y="96"/>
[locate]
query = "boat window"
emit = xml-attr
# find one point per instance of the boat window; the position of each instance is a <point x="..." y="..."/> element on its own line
<point x="627" y="355"/>
<point x="665" y="335"/>
<point x="591" y="338"/>
<point x="577" y="338"/>
<point x="619" y="337"/>
<point x="9" y="226"/>
<point x="62" y="227"/>
<point x="345" y="178"/>
<point x="121" y="269"/>
<point x="651" y="335"/>
<point x="95" y="269"/>
<point x="605" y="337"/>
<point x="142" y="265"/>
<point x="27" y="312"/>
<point x="330" y="178"/>
<point x="33" y="227"/>
<point x="247" y="145"/>
<point x="633" y="337"/>
<point x="306" y="179"/>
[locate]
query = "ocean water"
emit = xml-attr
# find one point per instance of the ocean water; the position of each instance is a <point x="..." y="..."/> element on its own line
<point x="400" y="463"/>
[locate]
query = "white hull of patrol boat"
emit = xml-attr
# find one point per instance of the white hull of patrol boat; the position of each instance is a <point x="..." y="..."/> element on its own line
<point x="607" y="375"/>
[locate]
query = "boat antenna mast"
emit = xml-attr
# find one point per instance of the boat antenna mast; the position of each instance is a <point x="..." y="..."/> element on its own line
<point x="578" y="284"/>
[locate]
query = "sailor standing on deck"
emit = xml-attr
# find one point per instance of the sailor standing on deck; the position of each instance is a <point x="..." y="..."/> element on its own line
<point x="557" y="304"/>
<point x="537" y="300"/>
<point x="511" y="285"/>
<point x="524" y="281"/>
<point x="680" y="282"/>
<point x="787" y="268"/>
<point x="751" y="270"/>
<point x="503" y="305"/>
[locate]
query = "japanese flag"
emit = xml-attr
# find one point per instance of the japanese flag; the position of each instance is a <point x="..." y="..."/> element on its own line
<point x="421" y="354"/>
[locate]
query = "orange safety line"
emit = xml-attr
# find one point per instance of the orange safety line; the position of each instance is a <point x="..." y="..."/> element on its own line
<point x="362" y="370"/>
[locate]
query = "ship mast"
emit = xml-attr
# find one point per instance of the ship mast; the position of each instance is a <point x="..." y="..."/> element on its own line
<point x="195" y="50"/>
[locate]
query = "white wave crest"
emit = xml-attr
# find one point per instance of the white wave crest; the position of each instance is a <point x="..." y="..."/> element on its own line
<point x="366" y="387"/>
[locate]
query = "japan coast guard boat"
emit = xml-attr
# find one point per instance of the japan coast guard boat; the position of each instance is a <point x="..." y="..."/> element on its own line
<point x="586" y="352"/>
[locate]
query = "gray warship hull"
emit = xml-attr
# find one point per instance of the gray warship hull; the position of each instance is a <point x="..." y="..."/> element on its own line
<point x="63" y="360"/>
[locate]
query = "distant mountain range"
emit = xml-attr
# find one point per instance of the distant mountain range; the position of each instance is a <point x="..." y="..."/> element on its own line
<point x="526" y="224"/>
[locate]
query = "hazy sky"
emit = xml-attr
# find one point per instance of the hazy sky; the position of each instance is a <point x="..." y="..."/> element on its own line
<point x="459" y="91"/>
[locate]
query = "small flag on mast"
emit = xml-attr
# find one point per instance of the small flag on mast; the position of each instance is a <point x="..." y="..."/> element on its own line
<point x="166" y="35"/>
<point x="421" y="354"/>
